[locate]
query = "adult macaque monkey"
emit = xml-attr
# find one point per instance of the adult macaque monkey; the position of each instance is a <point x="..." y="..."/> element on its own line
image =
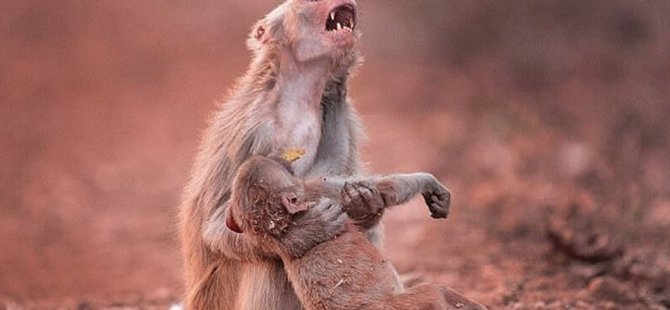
<point x="293" y="96"/>
<point x="268" y="203"/>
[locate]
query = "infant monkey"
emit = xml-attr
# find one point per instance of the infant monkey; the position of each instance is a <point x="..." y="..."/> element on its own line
<point x="346" y="272"/>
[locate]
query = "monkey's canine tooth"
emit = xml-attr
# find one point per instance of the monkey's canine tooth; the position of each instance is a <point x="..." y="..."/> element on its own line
<point x="332" y="15"/>
<point x="339" y="26"/>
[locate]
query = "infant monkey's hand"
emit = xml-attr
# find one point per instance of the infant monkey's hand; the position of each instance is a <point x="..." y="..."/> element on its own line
<point x="322" y="222"/>
<point x="363" y="203"/>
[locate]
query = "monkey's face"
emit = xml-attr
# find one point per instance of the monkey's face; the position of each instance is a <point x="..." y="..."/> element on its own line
<point x="278" y="187"/>
<point x="266" y="195"/>
<point x="311" y="29"/>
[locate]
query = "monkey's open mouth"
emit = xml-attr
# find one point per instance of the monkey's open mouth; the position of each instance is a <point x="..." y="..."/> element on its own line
<point x="342" y="17"/>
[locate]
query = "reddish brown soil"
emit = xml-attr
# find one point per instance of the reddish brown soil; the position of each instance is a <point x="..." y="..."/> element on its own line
<point x="531" y="112"/>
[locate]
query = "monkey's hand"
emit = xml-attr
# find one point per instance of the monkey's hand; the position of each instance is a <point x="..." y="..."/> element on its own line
<point x="320" y="223"/>
<point x="363" y="203"/>
<point x="438" y="199"/>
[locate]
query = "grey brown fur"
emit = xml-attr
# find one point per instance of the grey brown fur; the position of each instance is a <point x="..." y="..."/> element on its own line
<point x="293" y="95"/>
<point x="341" y="272"/>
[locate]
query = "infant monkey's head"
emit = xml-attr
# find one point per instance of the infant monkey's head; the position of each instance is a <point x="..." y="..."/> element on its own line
<point x="265" y="196"/>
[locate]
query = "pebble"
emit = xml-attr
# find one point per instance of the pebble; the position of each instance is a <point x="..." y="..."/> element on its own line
<point x="609" y="289"/>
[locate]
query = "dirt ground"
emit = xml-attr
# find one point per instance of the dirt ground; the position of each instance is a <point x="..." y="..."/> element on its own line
<point x="549" y="121"/>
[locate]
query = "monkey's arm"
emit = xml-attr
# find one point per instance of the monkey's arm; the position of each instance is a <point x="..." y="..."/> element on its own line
<point x="398" y="189"/>
<point x="322" y="222"/>
<point x="359" y="196"/>
<point x="362" y="202"/>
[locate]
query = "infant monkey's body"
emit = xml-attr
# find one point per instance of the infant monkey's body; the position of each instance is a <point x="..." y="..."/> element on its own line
<point x="346" y="272"/>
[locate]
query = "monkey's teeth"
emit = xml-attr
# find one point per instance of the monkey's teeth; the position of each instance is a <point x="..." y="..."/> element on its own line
<point x="332" y="15"/>
<point x="339" y="26"/>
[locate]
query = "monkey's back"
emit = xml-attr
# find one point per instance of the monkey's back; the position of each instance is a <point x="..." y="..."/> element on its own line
<point x="345" y="273"/>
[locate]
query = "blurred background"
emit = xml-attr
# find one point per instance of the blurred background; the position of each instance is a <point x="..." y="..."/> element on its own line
<point x="549" y="121"/>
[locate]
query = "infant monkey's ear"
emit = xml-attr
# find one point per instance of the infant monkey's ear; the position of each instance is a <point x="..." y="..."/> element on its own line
<point x="292" y="204"/>
<point x="231" y="223"/>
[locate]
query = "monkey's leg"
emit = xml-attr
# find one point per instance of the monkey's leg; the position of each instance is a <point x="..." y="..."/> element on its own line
<point x="457" y="301"/>
<point x="429" y="296"/>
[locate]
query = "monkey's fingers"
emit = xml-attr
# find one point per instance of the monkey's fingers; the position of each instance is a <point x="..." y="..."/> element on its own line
<point x="346" y="197"/>
<point x="354" y="196"/>
<point x="438" y="212"/>
<point x="439" y="208"/>
<point x="367" y="185"/>
<point x="333" y="216"/>
<point x="445" y="197"/>
<point x="373" y="198"/>
<point x="443" y="200"/>
<point x="363" y="201"/>
<point x="366" y="194"/>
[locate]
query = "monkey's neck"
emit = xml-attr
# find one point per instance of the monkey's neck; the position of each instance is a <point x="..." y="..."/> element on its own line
<point x="300" y="85"/>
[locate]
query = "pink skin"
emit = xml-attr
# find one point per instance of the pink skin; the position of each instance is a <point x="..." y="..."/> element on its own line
<point x="291" y="203"/>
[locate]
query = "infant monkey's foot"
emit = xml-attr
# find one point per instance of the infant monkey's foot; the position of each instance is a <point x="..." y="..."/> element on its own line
<point x="438" y="201"/>
<point x="362" y="202"/>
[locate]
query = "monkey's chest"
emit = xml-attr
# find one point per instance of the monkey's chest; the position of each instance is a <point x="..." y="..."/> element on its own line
<point x="301" y="137"/>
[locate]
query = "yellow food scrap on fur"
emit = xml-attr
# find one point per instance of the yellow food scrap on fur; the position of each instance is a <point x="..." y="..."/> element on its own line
<point x="293" y="154"/>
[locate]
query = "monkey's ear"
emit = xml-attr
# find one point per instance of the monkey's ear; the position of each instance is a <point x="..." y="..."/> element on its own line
<point x="231" y="223"/>
<point x="291" y="203"/>
<point x="269" y="30"/>
<point x="258" y="36"/>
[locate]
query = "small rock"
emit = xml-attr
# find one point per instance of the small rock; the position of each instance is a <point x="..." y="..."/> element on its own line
<point x="609" y="289"/>
<point x="83" y="305"/>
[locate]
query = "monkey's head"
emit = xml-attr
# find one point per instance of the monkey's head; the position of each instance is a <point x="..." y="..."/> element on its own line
<point x="311" y="30"/>
<point x="265" y="196"/>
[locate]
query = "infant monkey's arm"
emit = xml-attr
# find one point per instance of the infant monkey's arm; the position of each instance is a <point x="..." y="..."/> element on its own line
<point x="394" y="189"/>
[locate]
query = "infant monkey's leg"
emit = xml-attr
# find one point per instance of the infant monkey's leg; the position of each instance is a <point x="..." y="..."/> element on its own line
<point x="429" y="296"/>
